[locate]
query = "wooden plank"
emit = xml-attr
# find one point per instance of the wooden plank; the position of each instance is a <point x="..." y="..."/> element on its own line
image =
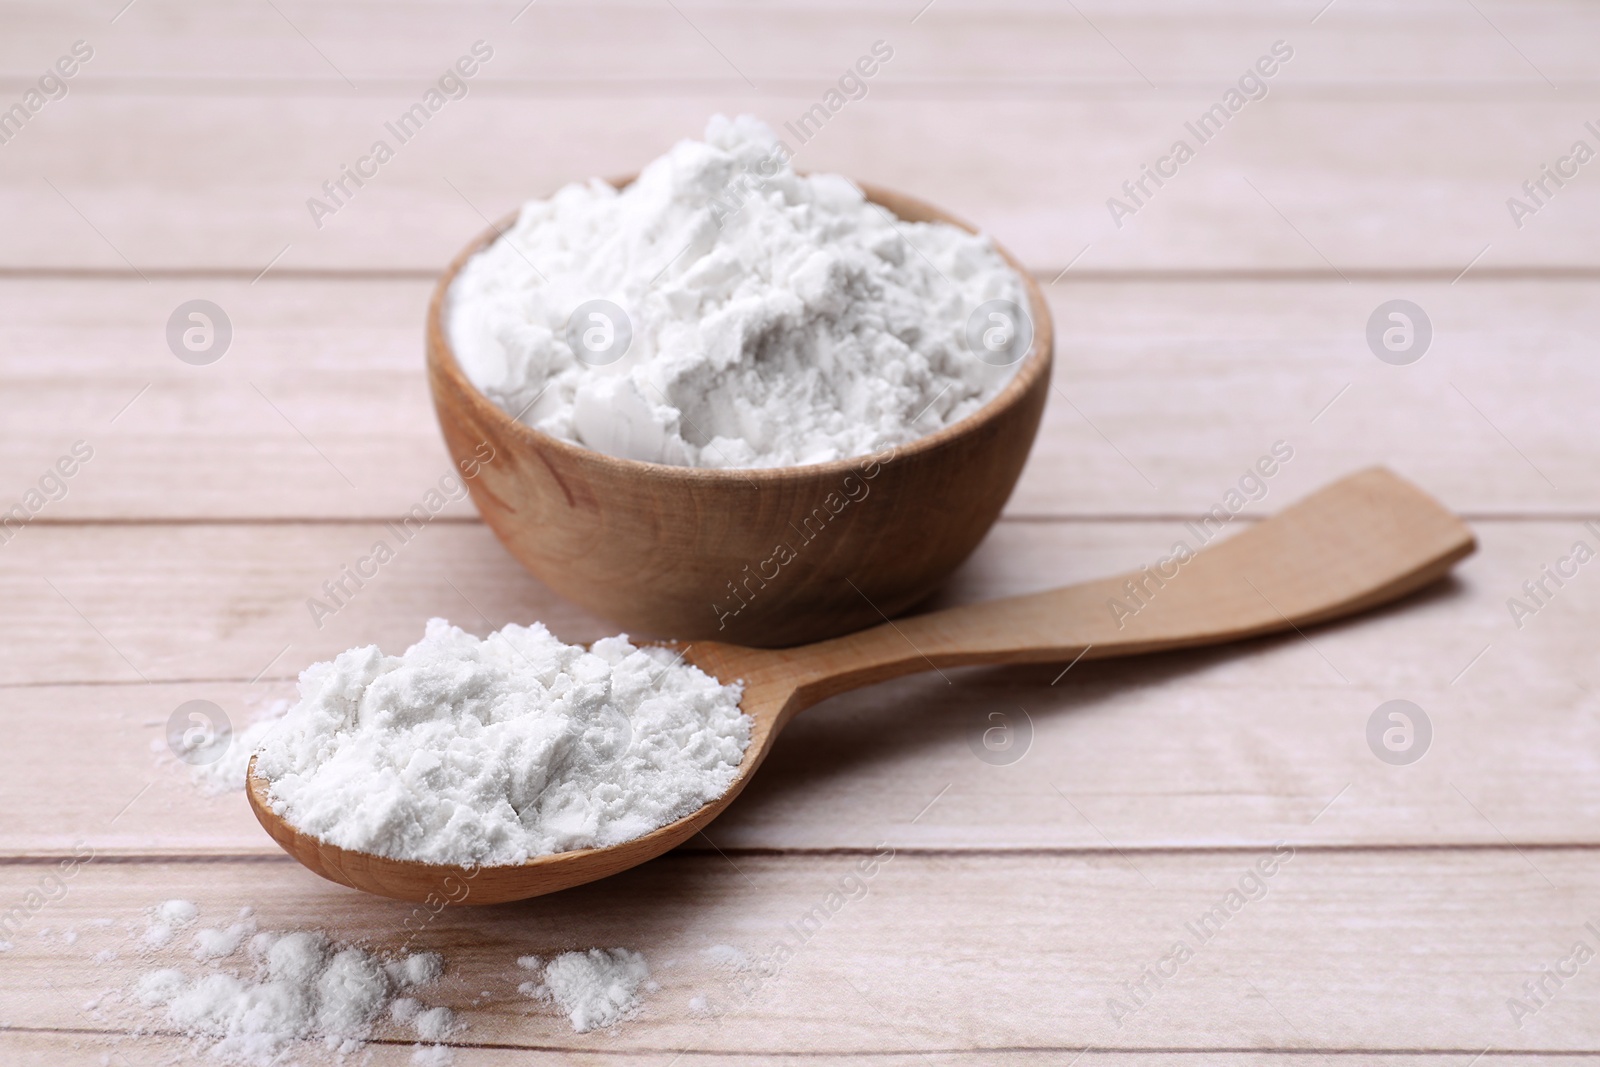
<point x="319" y="406"/>
<point x="52" y="1048"/>
<point x="1164" y="396"/>
<point x="1385" y="951"/>
<point x="953" y="45"/>
<point x="249" y="587"/>
<point x="1024" y="895"/>
<point x="1335" y="185"/>
<point x="1220" y="748"/>
<point x="1170" y="393"/>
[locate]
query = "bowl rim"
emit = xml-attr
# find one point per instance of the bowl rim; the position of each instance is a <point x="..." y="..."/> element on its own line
<point x="1034" y="365"/>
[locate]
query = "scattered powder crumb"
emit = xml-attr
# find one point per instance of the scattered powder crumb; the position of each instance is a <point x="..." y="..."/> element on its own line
<point x="105" y="955"/>
<point x="725" y="954"/>
<point x="291" y="986"/>
<point x="417" y="969"/>
<point x="167" y="917"/>
<point x="177" y="913"/>
<point x="698" y="1005"/>
<point x="227" y="773"/>
<point x="213" y="944"/>
<point x="435" y="1024"/>
<point x="488" y="751"/>
<point x="596" y="988"/>
<point x="432" y="1056"/>
<point x="728" y="960"/>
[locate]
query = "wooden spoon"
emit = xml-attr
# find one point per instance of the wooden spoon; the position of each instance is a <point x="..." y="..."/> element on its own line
<point x="1363" y="541"/>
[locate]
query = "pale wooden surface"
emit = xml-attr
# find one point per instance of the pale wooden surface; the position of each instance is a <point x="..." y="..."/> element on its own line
<point x="1420" y="898"/>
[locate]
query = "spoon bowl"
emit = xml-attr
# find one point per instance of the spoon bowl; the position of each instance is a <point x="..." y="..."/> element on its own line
<point x="1365" y="540"/>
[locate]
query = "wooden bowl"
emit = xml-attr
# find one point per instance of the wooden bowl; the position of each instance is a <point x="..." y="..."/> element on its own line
<point x="695" y="553"/>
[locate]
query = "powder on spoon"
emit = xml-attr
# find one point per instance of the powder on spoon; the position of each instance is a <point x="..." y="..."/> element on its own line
<point x="486" y="752"/>
<point x="769" y="318"/>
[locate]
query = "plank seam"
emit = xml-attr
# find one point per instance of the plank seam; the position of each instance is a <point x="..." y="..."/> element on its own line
<point x="1122" y="1050"/>
<point x="1130" y="518"/>
<point x="943" y="852"/>
<point x="1222" y="275"/>
<point x="803" y="88"/>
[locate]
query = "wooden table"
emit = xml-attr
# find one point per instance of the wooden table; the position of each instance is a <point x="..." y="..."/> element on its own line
<point x="1025" y="901"/>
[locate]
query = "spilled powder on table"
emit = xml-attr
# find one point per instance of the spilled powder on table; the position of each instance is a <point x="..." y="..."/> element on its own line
<point x="283" y="987"/>
<point x="166" y="918"/>
<point x="597" y="988"/>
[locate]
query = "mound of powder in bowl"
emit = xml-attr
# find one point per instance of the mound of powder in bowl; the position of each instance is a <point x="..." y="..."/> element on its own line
<point x="486" y="752"/>
<point x="723" y="311"/>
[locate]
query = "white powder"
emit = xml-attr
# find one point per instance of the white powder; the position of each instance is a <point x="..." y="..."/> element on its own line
<point x="775" y="319"/>
<point x="167" y="917"/>
<point x="213" y="944"/>
<point x="595" y="988"/>
<point x="468" y="751"/>
<point x="227" y="773"/>
<point x="297" y="986"/>
<point x="418" y="969"/>
<point x="435" y="1024"/>
<point x="727" y="955"/>
<point x="432" y="1056"/>
<point x="177" y="912"/>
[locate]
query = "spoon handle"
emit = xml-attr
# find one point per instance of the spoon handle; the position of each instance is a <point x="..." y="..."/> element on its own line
<point x="1367" y="539"/>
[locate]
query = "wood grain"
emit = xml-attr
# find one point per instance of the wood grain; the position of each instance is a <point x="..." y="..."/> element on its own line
<point x="52" y="1047"/>
<point x="959" y="47"/>
<point x="177" y="173"/>
<point x="1337" y="188"/>
<point x="1164" y="394"/>
<point x="1390" y="144"/>
<point x="1404" y="951"/>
